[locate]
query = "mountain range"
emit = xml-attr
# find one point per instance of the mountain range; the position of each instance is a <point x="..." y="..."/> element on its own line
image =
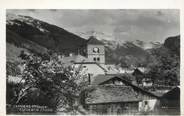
<point x="33" y="35"/>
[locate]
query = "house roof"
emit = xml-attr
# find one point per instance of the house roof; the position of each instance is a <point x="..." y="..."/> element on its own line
<point x="101" y="94"/>
<point x="172" y="94"/>
<point x="92" y="40"/>
<point x="137" y="72"/>
<point x="111" y="94"/>
<point x="101" y="78"/>
<point x="75" y="59"/>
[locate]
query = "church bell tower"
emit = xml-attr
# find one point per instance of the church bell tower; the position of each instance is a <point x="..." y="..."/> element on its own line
<point x="95" y="50"/>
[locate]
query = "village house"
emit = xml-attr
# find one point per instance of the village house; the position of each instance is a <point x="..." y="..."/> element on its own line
<point x="112" y="94"/>
<point x="147" y="82"/>
<point x="141" y="79"/>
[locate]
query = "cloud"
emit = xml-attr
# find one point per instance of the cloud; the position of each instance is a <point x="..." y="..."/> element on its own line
<point x="147" y="25"/>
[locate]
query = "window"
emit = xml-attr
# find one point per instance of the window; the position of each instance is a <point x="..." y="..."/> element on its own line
<point x="94" y="59"/>
<point x="98" y="59"/>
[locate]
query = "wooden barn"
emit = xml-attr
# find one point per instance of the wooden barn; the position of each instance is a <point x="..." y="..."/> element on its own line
<point x="112" y="100"/>
<point x="170" y="102"/>
<point x="114" y="95"/>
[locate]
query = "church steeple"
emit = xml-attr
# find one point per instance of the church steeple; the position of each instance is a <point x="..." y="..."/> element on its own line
<point x="95" y="50"/>
<point x="93" y="41"/>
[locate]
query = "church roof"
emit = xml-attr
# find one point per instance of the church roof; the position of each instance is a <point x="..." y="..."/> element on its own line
<point x="88" y="62"/>
<point x="92" y="40"/>
<point x="75" y="59"/>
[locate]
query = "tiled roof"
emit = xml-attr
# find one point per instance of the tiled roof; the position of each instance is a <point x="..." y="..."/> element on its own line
<point x="92" y="40"/>
<point x="111" y="94"/>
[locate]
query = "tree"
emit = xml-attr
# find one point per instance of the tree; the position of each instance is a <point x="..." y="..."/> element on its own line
<point x="50" y="83"/>
<point x="164" y="67"/>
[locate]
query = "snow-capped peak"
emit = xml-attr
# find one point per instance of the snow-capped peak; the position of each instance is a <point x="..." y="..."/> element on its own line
<point x="12" y="17"/>
<point x="11" y="20"/>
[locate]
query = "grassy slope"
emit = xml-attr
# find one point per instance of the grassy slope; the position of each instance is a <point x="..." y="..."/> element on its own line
<point x="55" y="38"/>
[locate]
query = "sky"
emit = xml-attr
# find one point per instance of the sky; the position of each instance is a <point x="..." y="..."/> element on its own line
<point x="119" y="24"/>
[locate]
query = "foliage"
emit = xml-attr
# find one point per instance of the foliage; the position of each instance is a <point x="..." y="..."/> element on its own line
<point x="49" y="82"/>
<point x="12" y="69"/>
<point x="129" y="61"/>
<point x="164" y="67"/>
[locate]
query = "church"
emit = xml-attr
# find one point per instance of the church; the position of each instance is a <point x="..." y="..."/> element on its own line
<point x="92" y="58"/>
<point x="95" y="50"/>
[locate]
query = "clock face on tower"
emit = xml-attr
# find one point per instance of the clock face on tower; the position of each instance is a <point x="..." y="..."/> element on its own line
<point x="96" y="50"/>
